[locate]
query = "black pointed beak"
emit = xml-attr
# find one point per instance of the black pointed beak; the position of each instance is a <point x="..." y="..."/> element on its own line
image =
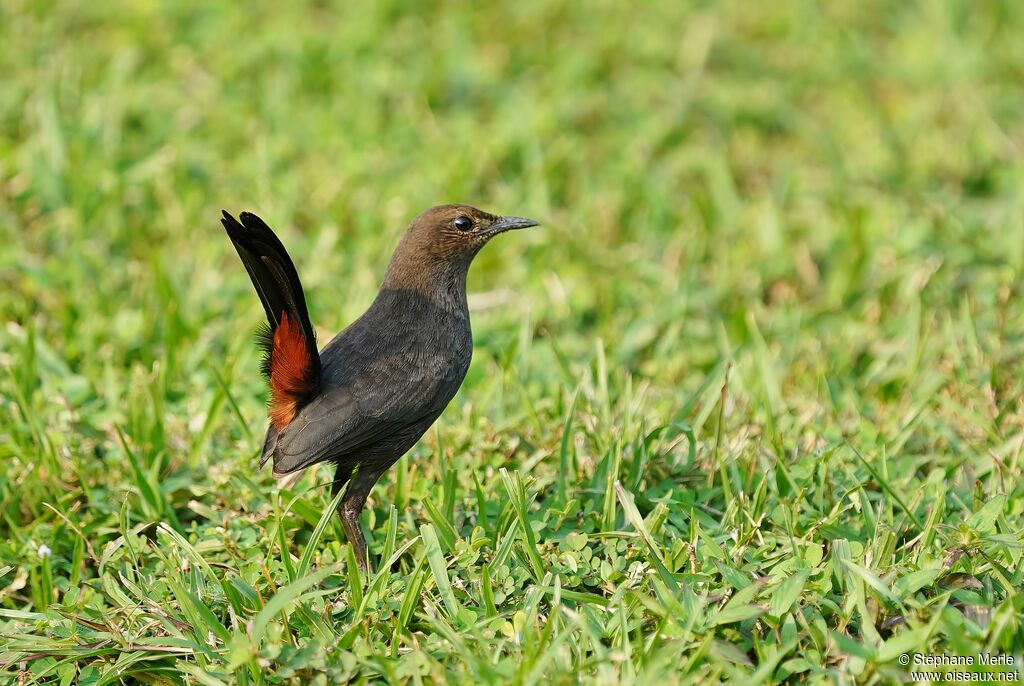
<point x="509" y="223"/>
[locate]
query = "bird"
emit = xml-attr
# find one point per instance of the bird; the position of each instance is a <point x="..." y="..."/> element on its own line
<point x="365" y="399"/>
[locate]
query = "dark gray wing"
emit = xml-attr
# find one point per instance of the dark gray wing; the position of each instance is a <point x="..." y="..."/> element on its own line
<point x="392" y="396"/>
<point x="333" y="424"/>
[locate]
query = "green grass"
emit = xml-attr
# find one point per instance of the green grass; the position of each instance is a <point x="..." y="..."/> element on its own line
<point x="748" y="407"/>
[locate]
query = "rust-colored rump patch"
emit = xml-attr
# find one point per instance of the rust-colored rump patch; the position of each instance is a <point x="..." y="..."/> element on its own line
<point x="290" y="372"/>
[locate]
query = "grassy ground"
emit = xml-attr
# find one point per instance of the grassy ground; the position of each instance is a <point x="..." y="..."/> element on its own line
<point x="748" y="407"/>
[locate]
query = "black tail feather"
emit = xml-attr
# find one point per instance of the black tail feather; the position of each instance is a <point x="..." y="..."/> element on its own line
<point x="276" y="281"/>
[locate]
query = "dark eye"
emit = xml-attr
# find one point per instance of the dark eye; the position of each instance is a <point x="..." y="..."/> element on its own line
<point x="463" y="223"/>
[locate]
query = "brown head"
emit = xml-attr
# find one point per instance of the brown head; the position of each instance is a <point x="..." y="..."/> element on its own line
<point x="440" y="244"/>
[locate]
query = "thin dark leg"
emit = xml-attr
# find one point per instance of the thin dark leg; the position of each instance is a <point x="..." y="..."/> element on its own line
<point x="351" y="507"/>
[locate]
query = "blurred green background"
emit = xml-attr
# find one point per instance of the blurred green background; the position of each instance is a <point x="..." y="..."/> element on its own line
<point x="769" y="229"/>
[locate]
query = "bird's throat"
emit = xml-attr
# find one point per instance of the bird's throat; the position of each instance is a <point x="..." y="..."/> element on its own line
<point x="442" y="283"/>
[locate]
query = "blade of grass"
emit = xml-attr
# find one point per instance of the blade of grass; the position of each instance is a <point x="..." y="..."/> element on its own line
<point x="439" y="570"/>
<point x="313" y="545"/>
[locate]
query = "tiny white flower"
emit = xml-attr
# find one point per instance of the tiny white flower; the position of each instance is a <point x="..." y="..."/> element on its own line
<point x="44" y="551"/>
